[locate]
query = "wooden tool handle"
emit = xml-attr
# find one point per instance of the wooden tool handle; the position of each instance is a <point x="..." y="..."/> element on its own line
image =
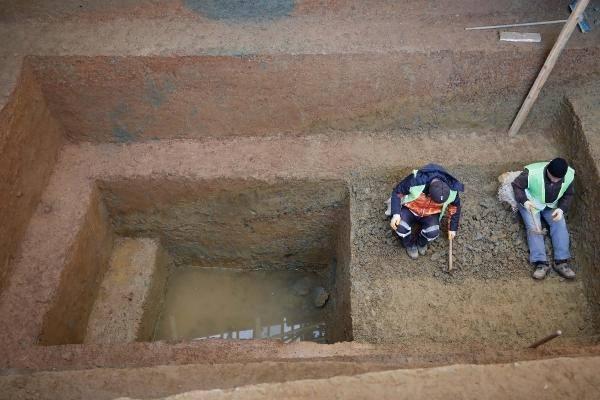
<point x="450" y="258"/>
<point x="537" y="228"/>
<point x="546" y="339"/>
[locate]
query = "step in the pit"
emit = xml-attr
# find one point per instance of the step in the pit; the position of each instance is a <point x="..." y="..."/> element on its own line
<point x="131" y="292"/>
<point x="489" y="298"/>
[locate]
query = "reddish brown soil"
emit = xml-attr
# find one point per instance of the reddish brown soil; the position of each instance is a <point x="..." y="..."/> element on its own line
<point x="30" y="138"/>
<point x="284" y="98"/>
<point x="552" y="379"/>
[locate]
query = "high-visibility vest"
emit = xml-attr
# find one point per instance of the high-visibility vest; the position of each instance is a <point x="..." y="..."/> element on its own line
<point x="415" y="191"/>
<point x="536" y="186"/>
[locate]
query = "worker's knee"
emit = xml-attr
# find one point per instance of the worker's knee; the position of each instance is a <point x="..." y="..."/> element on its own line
<point x="431" y="233"/>
<point x="403" y="229"/>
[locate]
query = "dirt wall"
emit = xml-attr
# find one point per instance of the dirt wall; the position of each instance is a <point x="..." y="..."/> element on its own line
<point x="341" y="316"/>
<point x="29" y="141"/>
<point x="231" y="223"/>
<point x="66" y="321"/>
<point x="239" y="11"/>
<point x="579" y="127"/>
<point x="130" y="296"/>
<point x="125" y="99"/>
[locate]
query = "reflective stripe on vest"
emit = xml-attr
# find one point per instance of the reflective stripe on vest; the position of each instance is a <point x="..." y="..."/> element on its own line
<point x="415" y="191"/>
<point x="536" y="186"/>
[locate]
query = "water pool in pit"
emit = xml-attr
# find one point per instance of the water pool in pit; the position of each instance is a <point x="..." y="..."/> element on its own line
<point x="226" y="303"/>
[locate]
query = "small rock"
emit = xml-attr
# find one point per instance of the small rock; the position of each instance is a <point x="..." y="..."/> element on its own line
<point x="47" y="209"/>
<point x="320" y="296"/>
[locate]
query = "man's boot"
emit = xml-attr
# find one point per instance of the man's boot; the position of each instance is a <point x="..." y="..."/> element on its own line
<point x="412" y="252"/>
<point x="564" y="270"/>
<point x="541" y="269"/>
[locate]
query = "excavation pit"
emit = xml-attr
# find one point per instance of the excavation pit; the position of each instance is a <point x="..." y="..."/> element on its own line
<point x="216" y="206"/>
<point x="234" y="258"/>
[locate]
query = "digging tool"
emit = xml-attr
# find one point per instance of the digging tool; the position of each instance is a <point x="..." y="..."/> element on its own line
<point x="538" y="229"/>
<point x="545" y="339"/>
<point x="563" y="37"/>
<point x="450" y="257"/>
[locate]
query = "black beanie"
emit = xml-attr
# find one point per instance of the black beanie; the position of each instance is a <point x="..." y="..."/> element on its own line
<point x="558" y="167"/>
<point x="439" y="191"/>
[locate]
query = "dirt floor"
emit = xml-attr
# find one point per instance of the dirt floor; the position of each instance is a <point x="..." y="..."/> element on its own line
<point x="490" y="252"/>
<point x="556" y="379"/>
<point x="110" y="383"/>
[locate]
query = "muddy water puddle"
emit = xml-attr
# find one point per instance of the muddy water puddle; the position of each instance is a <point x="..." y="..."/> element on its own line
<point x="203" y="303"/>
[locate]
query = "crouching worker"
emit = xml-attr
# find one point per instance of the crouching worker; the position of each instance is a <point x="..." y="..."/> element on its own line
<point x="422" y="198"/>
<point x="545" y="190"/>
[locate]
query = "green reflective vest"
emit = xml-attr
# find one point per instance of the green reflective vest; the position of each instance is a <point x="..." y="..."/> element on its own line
<point x="415" y="191"/>
<point x="536" y="187"/>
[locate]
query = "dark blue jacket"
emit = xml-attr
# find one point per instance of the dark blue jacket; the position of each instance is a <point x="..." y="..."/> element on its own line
<point x="424" y="176"/>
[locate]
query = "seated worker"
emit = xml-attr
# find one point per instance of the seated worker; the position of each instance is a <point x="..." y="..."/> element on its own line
<point x="423" y="198"/>
<point x="546" y="189"/>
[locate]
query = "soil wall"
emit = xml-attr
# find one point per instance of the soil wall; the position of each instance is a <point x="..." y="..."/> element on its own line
<point x="239" y="11"/>
<point x="88" y="259"/>
<point x="231" y="223"/>
<point x="29" y="141"/>
<point x="125" y="99"/>
<point x="579" y="127"/>
<point x="341" y="316"/>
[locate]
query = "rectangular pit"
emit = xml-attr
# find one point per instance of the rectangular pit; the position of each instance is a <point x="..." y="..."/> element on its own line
<point x="288" y="230"/>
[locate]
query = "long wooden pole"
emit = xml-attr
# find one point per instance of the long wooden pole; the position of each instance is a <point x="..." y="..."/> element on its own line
<point x="564" y="36"/>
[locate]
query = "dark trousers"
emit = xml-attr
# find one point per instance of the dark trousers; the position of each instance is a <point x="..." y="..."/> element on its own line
<point x="407" y="230"/>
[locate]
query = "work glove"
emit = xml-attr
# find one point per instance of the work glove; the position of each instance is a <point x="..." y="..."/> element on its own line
<point x="557" y="215"/>
<point x="395" y="221"/>
<point x="529" y="206"/>
<point x="451" y="235"/>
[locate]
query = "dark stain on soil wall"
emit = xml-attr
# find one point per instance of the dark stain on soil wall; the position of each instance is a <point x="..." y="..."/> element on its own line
<point x="241" y="9"/>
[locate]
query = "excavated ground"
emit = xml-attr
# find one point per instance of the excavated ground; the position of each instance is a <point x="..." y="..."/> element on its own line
<point x="398" y="299"/>
<point x="110" y="111"/>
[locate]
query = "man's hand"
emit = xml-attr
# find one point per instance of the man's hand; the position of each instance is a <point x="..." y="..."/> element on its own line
<point x="529" y="206"/>
<point x="451" y="235"/>
<point x="395" y="221"/>
<point x="557" y="215"/>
